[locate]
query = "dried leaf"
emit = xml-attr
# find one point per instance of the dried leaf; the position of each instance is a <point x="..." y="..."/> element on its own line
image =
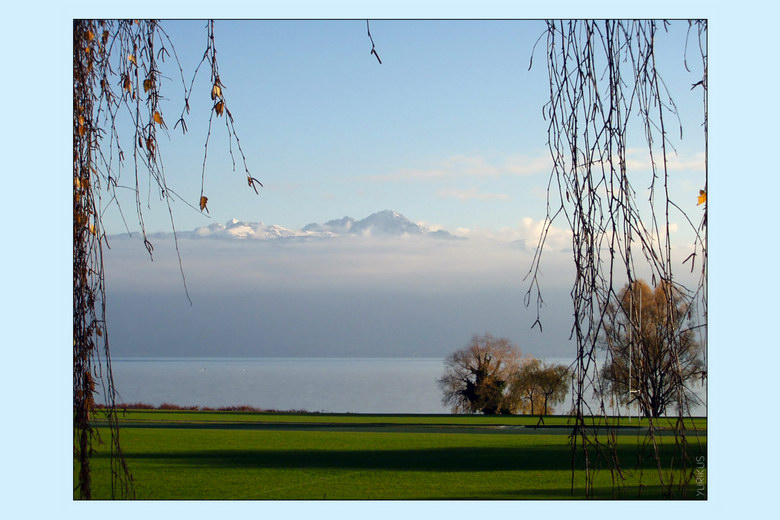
<point x="150" y="144"/>
<point x="104" y="38"/>
<point x="147" y="85"/>
<point x="203" y="201"/>
<point x="216" y="92"/>
<point x="92" y="228"/>
<point x="131" y="59"/>
<point x="126" y="84"/>
<point x="702" y="197"/>
<point x="219" y="107"/>
<point x="90" y="35"/>
<point x="82" y="129"/>
<point x="157" y="118"/>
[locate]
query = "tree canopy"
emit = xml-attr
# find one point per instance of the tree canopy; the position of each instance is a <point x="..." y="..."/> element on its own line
<point x="477" y="377"/>
<point x="537" y="386"/>
<point x="491" y="376"/>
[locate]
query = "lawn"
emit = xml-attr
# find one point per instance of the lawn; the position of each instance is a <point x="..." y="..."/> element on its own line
<point x="170" y="416"/>
<point x="238" y="455"/>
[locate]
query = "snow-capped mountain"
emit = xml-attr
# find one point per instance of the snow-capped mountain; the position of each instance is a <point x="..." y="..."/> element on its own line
<point x="381" y="224"/>
<point x="249" y="230"/>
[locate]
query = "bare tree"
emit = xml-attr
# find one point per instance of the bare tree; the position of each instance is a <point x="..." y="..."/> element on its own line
<point x="641" y="335"/>
<point x="477" y="377"/>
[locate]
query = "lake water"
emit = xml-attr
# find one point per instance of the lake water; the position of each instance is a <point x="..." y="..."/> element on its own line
<point x="357" y="385"/>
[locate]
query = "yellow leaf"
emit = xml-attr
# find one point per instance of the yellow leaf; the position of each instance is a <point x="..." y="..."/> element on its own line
<point x="131" y="59"/>
<point x="81" y="125"/>
<point x="216" y="92"/>
<point x="219" y="107"/>
<point x="157" y="118"/>
<point x="80" y="183"/>
<point x="90" y="35"/>
<point x="203" y="201"/>
<point x="702" y="197"/>
<point x="92" y="228"/>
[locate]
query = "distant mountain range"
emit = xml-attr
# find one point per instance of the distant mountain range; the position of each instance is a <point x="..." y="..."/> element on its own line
<point x="381" y="224"/>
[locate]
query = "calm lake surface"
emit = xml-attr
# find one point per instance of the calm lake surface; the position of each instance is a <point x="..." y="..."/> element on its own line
<point x="357" y="385"/>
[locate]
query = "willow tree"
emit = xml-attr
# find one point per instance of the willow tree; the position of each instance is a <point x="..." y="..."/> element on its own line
<point x="477" y="378"/>
<point x="605" y="84"/>
<point x="639" y="334"/>
<point x="117" y="118"/>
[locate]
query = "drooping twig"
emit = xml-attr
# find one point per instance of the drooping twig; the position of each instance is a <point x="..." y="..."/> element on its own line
<point x="373" y="47"/>
<point x="604" y="81"/>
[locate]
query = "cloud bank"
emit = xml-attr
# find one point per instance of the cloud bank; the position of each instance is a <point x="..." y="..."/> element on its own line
<point x="345" y="294"/>
<point x="355" y="288"/>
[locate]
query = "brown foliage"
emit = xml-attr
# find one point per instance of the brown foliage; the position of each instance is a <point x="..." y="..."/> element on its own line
<point x="537" y="386"/>
<point x="650" y="344"/>
<point x="477" y="377"/>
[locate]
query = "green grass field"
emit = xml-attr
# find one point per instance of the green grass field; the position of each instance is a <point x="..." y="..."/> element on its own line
<point x="240" y="455"/>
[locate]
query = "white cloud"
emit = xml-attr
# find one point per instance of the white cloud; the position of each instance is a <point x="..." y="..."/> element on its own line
<point x="528" y="231"/>
<point x="460" y="166"/>
<point x="429" y="226"/>
<point x="409" y="263"/>
<point x="638" y="159"/>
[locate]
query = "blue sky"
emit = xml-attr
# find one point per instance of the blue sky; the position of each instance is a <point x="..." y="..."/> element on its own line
<point x="447" y="130"/>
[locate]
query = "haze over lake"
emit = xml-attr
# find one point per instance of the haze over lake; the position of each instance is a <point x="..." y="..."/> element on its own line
<point x="339" y="385"/>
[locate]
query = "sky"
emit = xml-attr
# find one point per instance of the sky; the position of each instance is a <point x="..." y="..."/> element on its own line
<point x="447" y="130"/>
